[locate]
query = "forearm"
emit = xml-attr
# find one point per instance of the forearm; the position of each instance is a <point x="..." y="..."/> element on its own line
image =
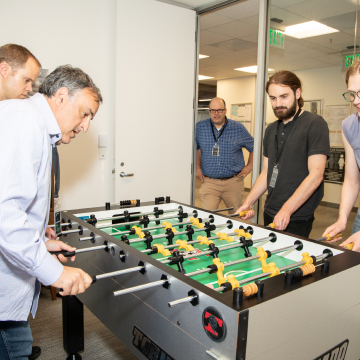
<point x="198" y="159"/>
<point x="349" y="194"/>
<point x="303" y="192"/>
<point x="258" y="189"/>
<point x="250" y="160"/>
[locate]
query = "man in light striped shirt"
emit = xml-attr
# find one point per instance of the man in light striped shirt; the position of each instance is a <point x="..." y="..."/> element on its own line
<point x="67" y="101"/>
<point x="19" y="69"/>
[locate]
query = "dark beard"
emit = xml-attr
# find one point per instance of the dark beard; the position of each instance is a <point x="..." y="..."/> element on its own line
<point x="285" y="115"/>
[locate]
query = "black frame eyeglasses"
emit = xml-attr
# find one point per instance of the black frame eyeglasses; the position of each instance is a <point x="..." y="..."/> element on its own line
<point x="214" y="111"/>
<point x="350" y="95"/>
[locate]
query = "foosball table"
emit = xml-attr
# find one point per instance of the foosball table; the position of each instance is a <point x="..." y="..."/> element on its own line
<point x="172" y="281"/>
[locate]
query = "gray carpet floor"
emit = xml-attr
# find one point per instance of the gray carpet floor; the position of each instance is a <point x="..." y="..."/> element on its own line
<point x="100" y="343"/>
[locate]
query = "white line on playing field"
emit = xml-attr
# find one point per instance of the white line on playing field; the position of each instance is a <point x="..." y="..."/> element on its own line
<point x="248" y="272"/>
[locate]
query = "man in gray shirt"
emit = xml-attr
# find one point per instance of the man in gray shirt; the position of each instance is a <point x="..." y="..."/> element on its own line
<point x="296" y="148"/>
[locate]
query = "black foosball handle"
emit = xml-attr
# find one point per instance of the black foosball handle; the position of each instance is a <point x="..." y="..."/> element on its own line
<point x="63" y="252"/>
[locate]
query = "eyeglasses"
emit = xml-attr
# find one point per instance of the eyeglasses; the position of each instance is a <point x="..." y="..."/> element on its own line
<point x="350" y="95"/>
<point x="213" y="111"/>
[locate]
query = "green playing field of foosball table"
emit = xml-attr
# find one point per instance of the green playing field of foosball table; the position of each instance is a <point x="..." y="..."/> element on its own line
<point x="198" y="251"/>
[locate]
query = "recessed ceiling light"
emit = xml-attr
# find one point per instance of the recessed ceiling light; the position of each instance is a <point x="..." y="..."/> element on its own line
<point x="308" y="29"/>
<point x="203" y="56"/>
<point x="204" y="99"/>
<point x="251" y="69"/>
<point x="202" y="77"/>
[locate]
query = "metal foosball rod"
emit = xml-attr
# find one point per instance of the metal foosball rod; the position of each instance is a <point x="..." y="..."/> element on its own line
<point x="188" y="242"/>
<point x="158" y="211"/>
<point x="209" y="252"/>
<point x="240" y="214"/>
<point x="133" y="230"/>
<point x="164" y="282"/>
<point x="118" y="273"/>
<point x="207" y="240"/>
<point x="149" y="238"/>
<point x="79" y="230"/>
<point x="79" y="251"/>
<point x="63" y="224"/>
<point x="146" y="220"/>
<point x="328" y="237"/>
<point x="182" y="301"/>
<point x="297" y="246"/>
<point x="281" y="269"/>
<point x="218" y="210"/>
<point x="92" y="237"/>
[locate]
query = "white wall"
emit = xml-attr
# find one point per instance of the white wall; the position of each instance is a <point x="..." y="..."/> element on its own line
<point x="234" y="91"/>
<point x="80" y="33"/>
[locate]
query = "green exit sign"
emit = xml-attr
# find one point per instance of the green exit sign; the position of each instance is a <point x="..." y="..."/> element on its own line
<point x="277" y="38"/>
<point x="349" y="59"/>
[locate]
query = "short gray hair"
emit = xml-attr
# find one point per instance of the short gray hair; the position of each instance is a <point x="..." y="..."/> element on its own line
<point x="74" y="79"/>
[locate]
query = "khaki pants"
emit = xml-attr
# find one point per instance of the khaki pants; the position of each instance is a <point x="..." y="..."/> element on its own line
<point x="212" y="191"/>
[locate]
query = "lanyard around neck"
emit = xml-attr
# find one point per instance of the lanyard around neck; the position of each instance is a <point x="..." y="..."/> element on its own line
<point x="212" y="128"/>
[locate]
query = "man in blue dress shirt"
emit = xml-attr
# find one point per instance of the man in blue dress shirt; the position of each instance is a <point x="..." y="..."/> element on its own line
<point x="67" y="101"/>
<point x="220" y="163"/>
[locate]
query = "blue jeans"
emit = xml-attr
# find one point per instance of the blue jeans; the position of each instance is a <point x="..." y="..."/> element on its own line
<point x="356" y="226"/>
<point x="15" y="340"/>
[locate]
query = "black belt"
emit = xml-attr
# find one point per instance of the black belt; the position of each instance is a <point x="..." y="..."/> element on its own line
<point x="223" y="178"/>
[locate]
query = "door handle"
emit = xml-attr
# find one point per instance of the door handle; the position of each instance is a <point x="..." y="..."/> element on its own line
<point x="122" y="174"/>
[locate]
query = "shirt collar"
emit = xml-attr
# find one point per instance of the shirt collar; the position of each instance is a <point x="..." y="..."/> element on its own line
<point x="225" y="123"/>
<point x="48" y="116"/>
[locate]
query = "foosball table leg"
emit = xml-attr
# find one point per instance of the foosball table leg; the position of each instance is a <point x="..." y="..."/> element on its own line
<point x="73" y="326"/>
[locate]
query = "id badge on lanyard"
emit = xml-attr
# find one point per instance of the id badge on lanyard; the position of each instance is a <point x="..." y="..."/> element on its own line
<point x="215" y="150"/>
<point x="274" y="176"/>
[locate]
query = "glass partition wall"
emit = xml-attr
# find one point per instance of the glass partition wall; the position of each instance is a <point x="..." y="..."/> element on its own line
<point x="228" y="65"/>
<point x="315" y="39"/>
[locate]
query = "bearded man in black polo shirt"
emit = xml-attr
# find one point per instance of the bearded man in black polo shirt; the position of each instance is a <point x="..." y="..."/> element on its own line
<point x="296" y="148"/>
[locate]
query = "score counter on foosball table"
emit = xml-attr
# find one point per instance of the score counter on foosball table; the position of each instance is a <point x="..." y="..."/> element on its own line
<point x="176" y="282"/>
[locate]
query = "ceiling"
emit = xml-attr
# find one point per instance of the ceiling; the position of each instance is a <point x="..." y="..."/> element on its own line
<point x="229" y="35"/>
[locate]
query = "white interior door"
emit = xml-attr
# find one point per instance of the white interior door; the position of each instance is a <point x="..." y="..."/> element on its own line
<point x="155" y="70"/>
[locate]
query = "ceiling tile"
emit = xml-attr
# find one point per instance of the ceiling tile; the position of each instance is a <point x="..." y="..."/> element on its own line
<point x="305" y="61"/>
<point x="236" y="56"/>
<point x="207" y="37"/>
<point x="252" y="20"/>
<point x="241" y="10"/>
<point x="331" y="59"/>
<point x="235" y="45"/>
<point x="282" y="3"/>
<point x="341" y="22"/>
<point x="235" y="29"/>
<point x="252" y="38"/>
<point x="211" y="50"/>
<point x="338" y="38"/>
<point x="352" y="32"/>
<point x="321" y="9"/>
<point x="212" y="60"/>
<point x="213" y="19"/>
<point x="288" y="17"/>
